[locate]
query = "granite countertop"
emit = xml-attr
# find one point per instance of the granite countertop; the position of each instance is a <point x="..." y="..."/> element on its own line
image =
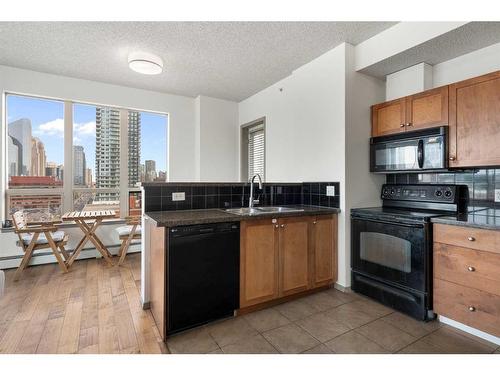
<point x="483" y="218"/>
<point x="218" y="215"/>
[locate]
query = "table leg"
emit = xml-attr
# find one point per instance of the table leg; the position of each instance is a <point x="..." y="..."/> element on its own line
<point x="95" y="240"/>
<point x="80" y="246"/>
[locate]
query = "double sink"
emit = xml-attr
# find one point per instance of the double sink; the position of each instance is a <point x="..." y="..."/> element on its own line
<point x="247" y="211"/>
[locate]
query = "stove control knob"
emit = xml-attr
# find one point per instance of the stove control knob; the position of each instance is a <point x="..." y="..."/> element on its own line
<point x="393" y="191"/>
<point x="439" y="193"/>
<point x="385" y="192"/>
<point x="447" y="193"/>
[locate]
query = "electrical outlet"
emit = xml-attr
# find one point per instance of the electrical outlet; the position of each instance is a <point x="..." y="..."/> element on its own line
<point x="179" y="196"/>
<point x="497" y="195"/>
<point x="330" y="191"/>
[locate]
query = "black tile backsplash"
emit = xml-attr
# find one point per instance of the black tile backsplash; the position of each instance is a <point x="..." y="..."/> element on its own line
<point x="228" y="195"/>
<point x="481" y="182"/>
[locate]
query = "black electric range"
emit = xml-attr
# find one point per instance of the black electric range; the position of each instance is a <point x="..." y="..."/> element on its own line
<point x="391" y="246"/>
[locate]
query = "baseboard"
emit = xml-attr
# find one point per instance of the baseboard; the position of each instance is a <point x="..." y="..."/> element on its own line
<point x="473" y="331"/>
<point x="344" y="289"/>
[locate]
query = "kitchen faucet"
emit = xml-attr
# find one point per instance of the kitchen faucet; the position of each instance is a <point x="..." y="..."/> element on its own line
<point x="251" y="201"/>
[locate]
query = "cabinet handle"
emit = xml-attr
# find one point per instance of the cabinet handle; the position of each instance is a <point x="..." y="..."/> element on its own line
<point x="314" y="222"/>
<point x="471" y="269"/>
<point x="471" y="239"/>
<point x="401" y="125"/>
<point x="472" y="308"/>
<point x="282" y="225"/>
<point x="408" y="124"/>
<point x="452" y="158"/>
<point x="276" y="226"/>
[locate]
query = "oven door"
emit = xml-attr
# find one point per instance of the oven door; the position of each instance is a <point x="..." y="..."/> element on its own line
<point x="393" y="252"/>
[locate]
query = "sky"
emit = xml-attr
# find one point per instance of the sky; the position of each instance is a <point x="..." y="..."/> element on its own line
<point x="48" y="125"/>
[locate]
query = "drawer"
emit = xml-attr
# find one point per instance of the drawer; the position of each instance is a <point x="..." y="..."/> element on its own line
<point x="474" y="238"/>
<point x="472" y="268"/>
<point x="469" y="306"/>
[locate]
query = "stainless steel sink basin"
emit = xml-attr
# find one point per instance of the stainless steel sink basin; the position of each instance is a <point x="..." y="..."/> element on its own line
<point x="245" y="211"/>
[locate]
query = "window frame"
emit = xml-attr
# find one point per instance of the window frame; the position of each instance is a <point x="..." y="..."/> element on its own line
<point x="244" y="157"/>
<point x="68" y="189"/>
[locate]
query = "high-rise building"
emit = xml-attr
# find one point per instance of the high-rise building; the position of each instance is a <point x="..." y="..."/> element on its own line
<point x="79" y="165"/>
<point x="54" y="170"/>
<point x="134" y="147"/>
<point x="20" y="130"/>
<point x="88" y="178"/>
<point x="38" y="157"/>
<point x="107" y="151"/>
<point x="150" y="173"/>
<point x="15" y="156"/>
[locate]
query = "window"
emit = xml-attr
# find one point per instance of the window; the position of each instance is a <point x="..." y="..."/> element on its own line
<point x="110" y="152"/>
<point x="253" y="150"/>
<point x="35" y="154"/>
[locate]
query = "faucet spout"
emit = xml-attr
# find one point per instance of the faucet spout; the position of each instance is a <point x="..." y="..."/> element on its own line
<point x="251" y="201"/>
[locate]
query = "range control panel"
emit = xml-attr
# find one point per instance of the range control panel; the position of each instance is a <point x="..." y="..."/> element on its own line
<point x="425" y="193"/>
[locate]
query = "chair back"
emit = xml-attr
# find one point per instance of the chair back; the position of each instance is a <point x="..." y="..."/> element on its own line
<point x="133" y="220"/>
<point x="19" y="221"/>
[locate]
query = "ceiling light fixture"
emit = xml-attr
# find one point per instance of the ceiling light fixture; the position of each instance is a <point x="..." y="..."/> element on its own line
<point x="145" y="63"/>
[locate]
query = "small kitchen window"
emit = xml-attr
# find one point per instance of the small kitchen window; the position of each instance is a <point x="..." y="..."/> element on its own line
<point x="253" y="149"/>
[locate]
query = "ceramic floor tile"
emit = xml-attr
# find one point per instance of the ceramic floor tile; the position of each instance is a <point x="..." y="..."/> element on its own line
<point x="386" y="335"/>
<point x="343" y="296"/>
<point x="371" y="308"/>
<point x="196" y="341"/>
<point x="353" y="342"/>
<point x="450" y="341"/>
<point x="253" y="345"/>
<point x="216" y="351"/>
<point x="412" y="326"/>
<point x="320" y="349"/>
<point x="295" y="310"/>
<point x="323" y="301"/>
<point x="322" y="327"/>
<point x="421" y="347"/>
<point x="290" y="339"/>
<point x="230" y="331"/>
<point x="265" y="320"/>
<point x="349" y="316"/>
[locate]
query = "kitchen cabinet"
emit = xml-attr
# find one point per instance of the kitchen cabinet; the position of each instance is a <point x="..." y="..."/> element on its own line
<point x="467" y="276"/>
<point x="294" y="254"/>
<point x="424" y="110"/>
<point x="475" y="122"/>
<point x="259" y="261"/>
<point x="323" y="250"/>
<point x="155" y="244"/>
<point x="286" y="256"/>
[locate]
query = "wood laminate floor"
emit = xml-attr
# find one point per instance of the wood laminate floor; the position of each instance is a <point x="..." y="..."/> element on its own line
<point x="96" y="308"/>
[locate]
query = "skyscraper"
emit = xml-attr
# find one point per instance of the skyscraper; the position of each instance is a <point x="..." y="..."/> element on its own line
<point x="15" y="156"/>
<point x="38" y="157"/>
<point x="79" y="165"/>
<point x="21" y="131"/>
<point x="134" y="147"/>
<point x="150" y="173"/>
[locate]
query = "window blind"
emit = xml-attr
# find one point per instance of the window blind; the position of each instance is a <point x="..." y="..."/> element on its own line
<point x="256" y="151"/>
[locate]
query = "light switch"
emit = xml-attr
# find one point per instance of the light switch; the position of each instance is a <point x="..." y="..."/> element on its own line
<point x="330" y="191"/>
<point x="179" y="196"/>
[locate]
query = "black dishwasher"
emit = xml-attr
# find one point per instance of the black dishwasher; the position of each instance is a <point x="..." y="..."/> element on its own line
<point x="202" y="274"/>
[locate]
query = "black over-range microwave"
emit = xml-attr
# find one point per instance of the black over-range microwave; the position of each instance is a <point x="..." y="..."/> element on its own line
<point x="415" y="151"/>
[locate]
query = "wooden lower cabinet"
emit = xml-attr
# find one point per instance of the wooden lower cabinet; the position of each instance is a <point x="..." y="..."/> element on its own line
<point x="259" y="261"/>
<point x="286" y="256"/>
<point x="294" y="255"/>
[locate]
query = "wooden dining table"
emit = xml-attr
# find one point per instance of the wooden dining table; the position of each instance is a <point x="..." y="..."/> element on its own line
<point x="89" y="221"/>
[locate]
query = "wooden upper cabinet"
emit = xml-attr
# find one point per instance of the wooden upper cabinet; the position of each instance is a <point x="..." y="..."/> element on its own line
<point x="258" y="261"/>
<point x="389" y="117"/>
<point x="427" y="109"/>
<point x="475" y="122"/>
<point x="294" y="254"/>
<point x="323" y="250"/>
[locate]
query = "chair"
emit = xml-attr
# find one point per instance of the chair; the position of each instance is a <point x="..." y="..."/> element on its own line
<point x="42" y="235"/>
<point x="127" y="233"/>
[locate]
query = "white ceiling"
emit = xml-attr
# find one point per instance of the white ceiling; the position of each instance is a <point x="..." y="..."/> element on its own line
<point x="228" y="60"/>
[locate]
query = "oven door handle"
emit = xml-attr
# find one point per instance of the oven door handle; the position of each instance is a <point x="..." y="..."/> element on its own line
<point x="391" y="223"/>
<point x="420" y="153"/>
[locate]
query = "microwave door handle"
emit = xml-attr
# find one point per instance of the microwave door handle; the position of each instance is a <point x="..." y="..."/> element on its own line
<point x="420" y="153"/>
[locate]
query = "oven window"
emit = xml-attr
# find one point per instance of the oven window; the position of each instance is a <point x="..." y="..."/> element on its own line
<point x="386" y="250"/>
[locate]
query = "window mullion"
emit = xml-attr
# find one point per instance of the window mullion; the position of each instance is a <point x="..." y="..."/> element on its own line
<point x="68" y="157"/>
<point x="123" y="163"/>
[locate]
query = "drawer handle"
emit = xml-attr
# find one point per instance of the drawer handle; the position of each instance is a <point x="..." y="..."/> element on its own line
<point x="471" y="239"/>
<point x="472" y="308"/>
<point x="276" y="226"/>
<point x="401" y="125"/>
<point x="471" y="269"/>
<point x="314" y="222"/>
<point x="282" y="225"/>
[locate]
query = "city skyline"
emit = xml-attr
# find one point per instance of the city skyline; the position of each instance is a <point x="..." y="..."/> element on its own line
<point x="47" y="132"/>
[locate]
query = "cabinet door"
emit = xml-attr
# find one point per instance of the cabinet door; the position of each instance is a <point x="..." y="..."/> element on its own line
<point x="258" y="261"/>
<point x="155" y="243"/>
<point x="427" y="109"/>
<point x="294" y="255"/>
<point x="389" y="117"/>
<point x="475" y="122"/>
<point x="324" y="250"/>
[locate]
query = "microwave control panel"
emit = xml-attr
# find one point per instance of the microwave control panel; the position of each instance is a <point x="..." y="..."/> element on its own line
<point x="428" y="193"/>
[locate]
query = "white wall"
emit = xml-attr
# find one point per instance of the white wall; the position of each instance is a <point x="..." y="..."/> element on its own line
<point x="307" y="132"/>
<point x="218" y="139"/>
<point x="416" y="78"/>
